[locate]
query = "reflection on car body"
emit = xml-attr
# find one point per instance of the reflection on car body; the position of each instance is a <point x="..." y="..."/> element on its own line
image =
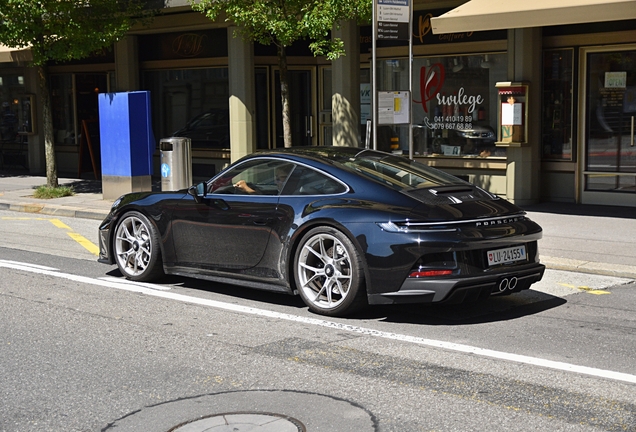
<point x="346" y="227"/>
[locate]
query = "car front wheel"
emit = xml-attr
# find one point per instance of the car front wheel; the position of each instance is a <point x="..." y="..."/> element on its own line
<point x="328" y="272"/>
<point x="137" y="250"/>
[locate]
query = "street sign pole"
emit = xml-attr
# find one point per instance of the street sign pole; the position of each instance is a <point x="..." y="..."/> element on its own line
<point x="374" y="89"/>
<point x="410" y="63"/>
<point x="392" y="20"/>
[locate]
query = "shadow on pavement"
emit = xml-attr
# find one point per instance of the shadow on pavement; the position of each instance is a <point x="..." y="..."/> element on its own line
<point x="503" y="308"/>
<point x="491" y="310"/>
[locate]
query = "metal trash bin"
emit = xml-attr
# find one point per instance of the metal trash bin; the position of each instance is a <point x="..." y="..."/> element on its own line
<point x="176" y="163"/>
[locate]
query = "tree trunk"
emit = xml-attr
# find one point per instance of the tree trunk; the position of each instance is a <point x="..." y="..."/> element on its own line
<point x="47" y="124"/>
<point x="284" y="96"/>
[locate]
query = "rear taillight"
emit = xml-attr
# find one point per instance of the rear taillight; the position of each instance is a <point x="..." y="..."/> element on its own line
<point x="430" y="273"/>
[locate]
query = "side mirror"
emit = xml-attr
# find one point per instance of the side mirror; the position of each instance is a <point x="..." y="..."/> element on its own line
<point x="198" y="191"/>
<point x="202" y="189"/>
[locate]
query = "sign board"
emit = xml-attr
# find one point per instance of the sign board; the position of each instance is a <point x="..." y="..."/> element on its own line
<point x="393" y="18"/>
<point x="394" y="107"/>
<point x="615" y="80"/>
<point x="511" y="114"/>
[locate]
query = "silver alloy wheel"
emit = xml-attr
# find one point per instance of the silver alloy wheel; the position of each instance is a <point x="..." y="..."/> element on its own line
<point x="133" y="246"/>
<point x="324" y="271"/>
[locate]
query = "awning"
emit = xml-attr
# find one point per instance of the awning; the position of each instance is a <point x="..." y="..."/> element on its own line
<point x="9" y="55"/>
<point x="476" y="15"/>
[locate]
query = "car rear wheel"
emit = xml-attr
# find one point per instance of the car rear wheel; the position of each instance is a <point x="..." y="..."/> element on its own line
<point x="137" y="250"/>
<point x="328" y="273"/>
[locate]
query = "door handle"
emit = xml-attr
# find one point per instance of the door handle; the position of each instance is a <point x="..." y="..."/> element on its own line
<point x="309" y="126"/>
<point x="632" y="141"/>
<point x="262" y="221"/>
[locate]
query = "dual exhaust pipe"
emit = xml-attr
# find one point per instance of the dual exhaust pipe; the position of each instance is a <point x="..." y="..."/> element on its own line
<point x="507" y="284"/>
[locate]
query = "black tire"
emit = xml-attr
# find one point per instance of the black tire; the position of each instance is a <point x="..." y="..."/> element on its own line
<point x="136" y="248"/>
<point x="328" y="272"/>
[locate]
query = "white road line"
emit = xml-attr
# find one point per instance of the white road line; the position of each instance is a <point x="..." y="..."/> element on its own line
<point x="139" y="284"/>
<point x="157" y="292"/>
<point x="28" y="265"/>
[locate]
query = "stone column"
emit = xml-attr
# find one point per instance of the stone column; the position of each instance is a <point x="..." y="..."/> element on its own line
<point x="127" y="64"/>
<point x="524" y="163"/>
<point x="242" y="99"/>
<point x="345" y="100"/>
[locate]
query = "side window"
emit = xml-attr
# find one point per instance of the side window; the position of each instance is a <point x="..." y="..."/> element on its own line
<point x="306" y="181"/>
<point x="256" y="177"/>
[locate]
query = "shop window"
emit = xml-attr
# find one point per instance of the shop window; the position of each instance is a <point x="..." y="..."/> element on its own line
<point x="73" y="103"/>
<point x="454" y="105"/>
<point x="12" y="122"/>
<point x="262" y="111"/>
<point x="556" y="127"/>
<point x="610" y="153"/>
<point x="365" y="104"/>
<point x="326" y="121"/>
<point x="191" y="103"/>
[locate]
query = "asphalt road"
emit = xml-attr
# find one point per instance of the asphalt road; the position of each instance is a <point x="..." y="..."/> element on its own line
<point x="84" y="351"/>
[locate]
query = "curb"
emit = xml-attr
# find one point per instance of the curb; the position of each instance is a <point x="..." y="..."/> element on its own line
<point x="590" y="267"/>
<point x="53" y="210"/>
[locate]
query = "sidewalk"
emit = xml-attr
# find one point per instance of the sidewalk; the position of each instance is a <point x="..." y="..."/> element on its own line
<point x="581" y="238"/>
<point x="16" y="193"/>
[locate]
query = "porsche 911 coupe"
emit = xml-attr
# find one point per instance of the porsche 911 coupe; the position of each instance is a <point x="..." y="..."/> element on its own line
<point x="341" y="227"/>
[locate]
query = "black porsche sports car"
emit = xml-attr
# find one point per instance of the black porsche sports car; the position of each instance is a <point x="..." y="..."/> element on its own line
<point x="342" y="227"/>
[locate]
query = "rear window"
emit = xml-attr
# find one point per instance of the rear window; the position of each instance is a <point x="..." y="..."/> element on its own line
<point x="398" y="172"/>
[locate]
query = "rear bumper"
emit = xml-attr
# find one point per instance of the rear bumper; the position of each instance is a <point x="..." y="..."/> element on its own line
<point x="459" y="290"/>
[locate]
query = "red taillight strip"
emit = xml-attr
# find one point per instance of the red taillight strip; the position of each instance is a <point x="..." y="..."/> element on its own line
<point x="430" y="273"/>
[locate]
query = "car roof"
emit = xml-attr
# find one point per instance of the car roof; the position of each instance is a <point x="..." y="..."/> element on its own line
<point x="323" y="153"/>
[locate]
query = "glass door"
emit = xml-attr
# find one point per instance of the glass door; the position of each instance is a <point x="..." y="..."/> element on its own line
<point x="609" y="163"/>
<point x="302" y="104"/>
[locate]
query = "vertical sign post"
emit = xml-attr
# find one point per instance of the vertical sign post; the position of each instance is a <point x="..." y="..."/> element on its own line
<point x="392" y="20"/>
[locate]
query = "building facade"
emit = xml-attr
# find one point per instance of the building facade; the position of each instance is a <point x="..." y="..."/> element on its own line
<point x="577" y="108"/>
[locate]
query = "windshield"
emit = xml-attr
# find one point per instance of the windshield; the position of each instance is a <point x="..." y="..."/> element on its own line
<point x="398" y="172"/>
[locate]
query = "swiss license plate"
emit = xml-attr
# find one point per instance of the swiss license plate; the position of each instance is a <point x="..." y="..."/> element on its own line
<point x="511" y="254"/>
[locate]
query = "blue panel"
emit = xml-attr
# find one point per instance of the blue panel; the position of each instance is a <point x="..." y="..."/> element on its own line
<point x="114" y="134"/>
<point x="125" y="127"/>
<point x="141" y="163"/>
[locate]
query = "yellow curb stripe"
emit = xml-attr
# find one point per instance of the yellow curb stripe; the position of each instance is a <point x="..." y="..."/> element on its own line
<point x="58" y="223"/>
<point x="586" y="289"/>
<point x="87" y="244"/>
<point x="593" y="291"/>
<point x="83" y="241"/>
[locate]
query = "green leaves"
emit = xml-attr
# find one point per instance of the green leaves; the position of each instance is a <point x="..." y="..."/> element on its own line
<point x="282" y="22"/>
<point x="66" y="29"/>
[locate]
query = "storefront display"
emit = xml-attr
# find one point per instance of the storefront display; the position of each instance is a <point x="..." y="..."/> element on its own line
<point x="610" y="159"/>
<point x="512" y="130"/>
<point x="12" y="118"/>
<point x="191" y="103"/>
<point x="556" y="136"/>
<point x="454" y="105"/>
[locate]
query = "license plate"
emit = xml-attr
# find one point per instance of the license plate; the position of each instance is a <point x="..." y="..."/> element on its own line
<point x="507" y="255"/>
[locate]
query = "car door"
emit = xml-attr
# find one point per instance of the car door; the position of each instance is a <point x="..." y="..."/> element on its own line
<point x="229" y="229"/>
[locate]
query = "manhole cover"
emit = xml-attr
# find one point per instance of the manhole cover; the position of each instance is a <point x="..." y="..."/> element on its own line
<point x="242" y="422"/>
